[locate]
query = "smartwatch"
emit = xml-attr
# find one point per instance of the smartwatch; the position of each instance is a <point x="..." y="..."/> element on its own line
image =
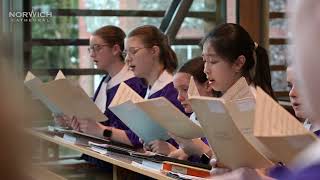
<point x="205" y="159"/>
<point x="107" y="133"/>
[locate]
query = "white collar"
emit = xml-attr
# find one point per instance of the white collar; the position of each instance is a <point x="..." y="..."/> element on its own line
<point x="164" y="79"/>
<point x="193" y="118"/>
<point x="307" y="125"/>
<point x="123" y="75"/>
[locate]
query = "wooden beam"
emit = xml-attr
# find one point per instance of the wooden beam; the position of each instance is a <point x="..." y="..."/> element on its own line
<point x="281" y="93"/>
<point x="188" y="41"/>
<point x="278" y="67"/>
<point x="85" y="42"/>
<point x="131" y="13"/>
<point x="221" y="15"/>
<point x="253" y="16"/>
<point x="168" y="15"/>
<point x="89" y="12"/>
<point x="278" y="41"/>
<point x="274" y="15"/>
<point x="27" y="50"/>
<point x="58" y="42"/>
<point x="177" y="18"/>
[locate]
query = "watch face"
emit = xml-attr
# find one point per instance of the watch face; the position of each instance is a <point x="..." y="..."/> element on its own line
<point x="107" y="133"/>
<point x="205" y="159"/>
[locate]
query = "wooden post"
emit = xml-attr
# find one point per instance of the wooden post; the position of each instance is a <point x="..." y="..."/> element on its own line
<point x="253" y="15"/>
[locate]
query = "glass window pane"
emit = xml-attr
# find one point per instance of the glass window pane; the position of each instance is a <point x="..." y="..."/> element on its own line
<point x="89" y="83"/>
<point x="197" y="5"/>
<point x="90" y="24"/>
<point x="277" y="5"/>
<point x="103" y="4"/>
<point x="186" y="52"/>
<point x="55" y="4"/>
<point x="278" y="28"/>
<point x="203" y="5"/>
<point x="279" y="82"/>
<point x="46" y="57"/>
<point x="81" y="27"/>
<point x="278" y="54"/>
<point x="126" y="4"/>
<point x="192" y="28"/>
<point x="57" y="28"/>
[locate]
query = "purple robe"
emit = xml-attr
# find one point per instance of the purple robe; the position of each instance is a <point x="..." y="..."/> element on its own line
<point x="309" y="173"/>
<point x="171" y="94"/>
<point x="137" y="85"/>
<point x="113" y="121"/>
<point x="282" y="172"/>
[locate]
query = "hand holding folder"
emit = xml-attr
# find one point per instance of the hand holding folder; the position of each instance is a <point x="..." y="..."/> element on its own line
<point x="124" y="106"/>
<point x="231" y="147"/>
<point x="227" y="123"/>
<point x="150" y="119"/>
<point x="248" y="132"/>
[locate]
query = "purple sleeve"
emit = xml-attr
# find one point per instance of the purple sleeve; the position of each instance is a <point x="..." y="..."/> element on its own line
<point x="137" y="85"/>
<point x="205" y="140"/>
<point x="309" y="173"/>
<point x="279" y="171"/>
<point x="171" y="94"/>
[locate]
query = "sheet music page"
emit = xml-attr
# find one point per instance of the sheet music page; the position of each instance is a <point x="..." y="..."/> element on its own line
<point x="193" y="90"/>
<point x="275" y="127"/>
<point x="239" y="90"/>
<point x="163" y="112"/>
<point x="124" y="94"/>
<point x="229" y="144"/>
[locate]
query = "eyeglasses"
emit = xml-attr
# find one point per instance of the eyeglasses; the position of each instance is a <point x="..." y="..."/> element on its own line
<point x="96" y="48"/>
<point x="132" y="51"/>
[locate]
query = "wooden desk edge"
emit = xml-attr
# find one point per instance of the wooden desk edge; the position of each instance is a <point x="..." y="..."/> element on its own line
<point x="87" y="151"/>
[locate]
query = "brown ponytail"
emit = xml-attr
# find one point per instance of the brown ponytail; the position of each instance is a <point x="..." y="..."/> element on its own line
<point x="231" y="41"/>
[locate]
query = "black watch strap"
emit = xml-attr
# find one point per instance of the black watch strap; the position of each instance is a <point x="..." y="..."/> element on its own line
<point x="205" y="159"/>
<point x="107" y="133"/>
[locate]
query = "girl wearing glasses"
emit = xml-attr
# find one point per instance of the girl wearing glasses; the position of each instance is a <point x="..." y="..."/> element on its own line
<point x="106" y="46"/>
<point x="149" y="56"/>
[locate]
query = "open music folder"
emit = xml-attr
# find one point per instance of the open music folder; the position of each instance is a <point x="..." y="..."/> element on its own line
<point x="278" y="130"/>
<point x="233" y="149"/>
<point x="63" y="96"/>
<point x="125" y="108"/>
<point x="163" y="112"/>
<point x="227" y="123"/>
<point x="192" y="89"/>
<point x="238" y="90"/>
<point x="151" y="119"/>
